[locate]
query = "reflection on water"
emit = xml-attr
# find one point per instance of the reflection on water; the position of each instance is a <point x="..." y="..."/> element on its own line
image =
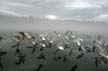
<point x="53" y="51"/>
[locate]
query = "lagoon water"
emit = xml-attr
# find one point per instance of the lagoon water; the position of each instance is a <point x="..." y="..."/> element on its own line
<point x="86" y="63"/>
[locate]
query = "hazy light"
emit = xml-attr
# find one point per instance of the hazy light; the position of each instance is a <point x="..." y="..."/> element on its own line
<point x="102" y="17"/>
<point x="51" y="17"/>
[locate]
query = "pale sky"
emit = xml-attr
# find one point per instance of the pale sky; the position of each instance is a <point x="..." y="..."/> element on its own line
<point x="68" y="9"/>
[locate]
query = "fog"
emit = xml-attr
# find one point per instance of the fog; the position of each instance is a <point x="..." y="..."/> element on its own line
<point x="13" y="23"/>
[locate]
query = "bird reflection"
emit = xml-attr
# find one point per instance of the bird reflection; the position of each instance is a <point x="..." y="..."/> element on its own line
<point x="62" y="48"/>
<point x="21" y="59"/>
<point x="39" y="67"/>
<point x="74" y="68"/>
<point x="2" y="53"/>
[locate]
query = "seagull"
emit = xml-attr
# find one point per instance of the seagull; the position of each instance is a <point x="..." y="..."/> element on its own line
<point x="72" y="36"/>
<point x="78" y="42"/>
<point x="34" y="47"/>
<point x="58" y="34"/>
<point x="17" y="38"/>
<point x="60" y="47"/>
<point x="26" y="36"/>
<point x="105" y="60"/>
<point x="103" y="54"/>
<point x="29" y="36"/>
<point x="50" y="42"/>
<point x="81" y="48"/>
<point x="43" y="45"/>
<point x="66" y="37"/>
<point x="43" y="38"/>
<point x="22" y="35"/>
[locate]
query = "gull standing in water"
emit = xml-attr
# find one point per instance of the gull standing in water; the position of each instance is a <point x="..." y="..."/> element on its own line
<point x="59" y="47"/>
<point x="26" y="36"/>
<point x="78" y="41"/>
<point x="101" y="51"/>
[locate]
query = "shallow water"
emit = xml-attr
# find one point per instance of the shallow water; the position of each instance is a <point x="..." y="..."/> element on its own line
<point x="86" y="63"/>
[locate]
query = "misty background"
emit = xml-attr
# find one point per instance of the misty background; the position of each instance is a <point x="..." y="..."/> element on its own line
<point x="76" y="15"/>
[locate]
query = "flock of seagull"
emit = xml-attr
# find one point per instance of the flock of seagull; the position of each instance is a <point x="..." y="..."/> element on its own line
<point x="98" y="47"/>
